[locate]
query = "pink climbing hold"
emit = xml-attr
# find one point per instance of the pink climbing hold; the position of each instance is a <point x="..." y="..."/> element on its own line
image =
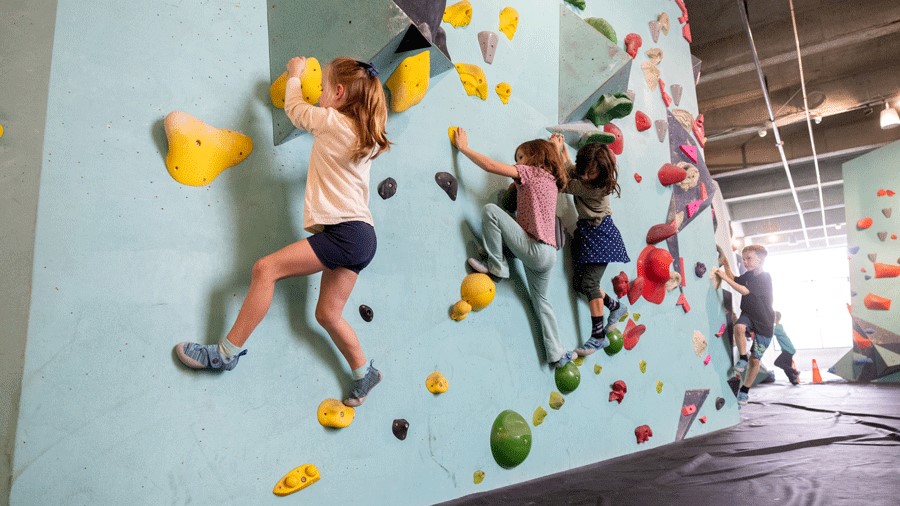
<point x="707" y="359"/>
<point x="702" y="419"/>
<point x="692" y="208"/>
<point x="721" y="331"/>
<point x="682" y="301"/>
<point x="690" y="151"/>
<point x="665" y="96"/>
<point x="688" y="410"/>
<point x="700" y="131"/>
<point x="686" y="32"/>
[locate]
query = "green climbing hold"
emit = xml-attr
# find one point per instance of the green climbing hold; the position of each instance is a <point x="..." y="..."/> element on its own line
<point x="567" y="378"/>
<point x="603" y="27"/>
<point x="610" y="107"/>
<point x="577" y="3"/>
<point x="538" y="417"/>
<point x="478" y="476"/>
<point x="510" y="439"/>
<point x="616" y="341"/>
<point x="556" y="400"/>
<point x="597" y="368"/>
<point x="601" y="137"/>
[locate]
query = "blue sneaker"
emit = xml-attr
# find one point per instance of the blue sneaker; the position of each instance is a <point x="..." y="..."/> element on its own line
<point x="206" y="356"/>
<point x="740" y="366"/>
<point x="592" y="345"/>
<point x="616" y="315"/>
<point x="360" y="388"/>
<point x="566" y="358"/>
<point x="743" y="398"/>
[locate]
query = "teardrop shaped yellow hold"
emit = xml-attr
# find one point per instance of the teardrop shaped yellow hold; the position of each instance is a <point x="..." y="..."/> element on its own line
<point x="198" y="153"/>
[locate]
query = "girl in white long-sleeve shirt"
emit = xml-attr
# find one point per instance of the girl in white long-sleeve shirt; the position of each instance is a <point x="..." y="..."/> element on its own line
<point x="348" y="129"/>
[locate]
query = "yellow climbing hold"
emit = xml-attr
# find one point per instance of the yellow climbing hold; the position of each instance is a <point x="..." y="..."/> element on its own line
<point x="310" y="84"/>
<point x="538" y="417"/>
<point x="659" y="385"/>
<point x="478" y="290"/>
<point x="509" y="21"/>
<point x="460" y="310"/>
<point x="1" y="130"/>
<point x="458" y="14"/>
<point x="298" y="479"/>
<point x="333" y="413"/>
<point x="473" y="79"/>
<point x="436" y="383"/>
<point x="451" y="132"/>
<point x="503" y="91"/>
<point x="643" y="366"/>
<point x="198" y="153"/>
<point x="579" y="360"/>
<point x="409" y="83"/>
<point x="478" y="476"/>
<point x="556" y="400"/>
<point x="597" y="368"/>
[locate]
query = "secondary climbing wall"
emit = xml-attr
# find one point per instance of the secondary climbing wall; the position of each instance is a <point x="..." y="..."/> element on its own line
<point x="871" y="183"/>
<point x="129" y="261"/>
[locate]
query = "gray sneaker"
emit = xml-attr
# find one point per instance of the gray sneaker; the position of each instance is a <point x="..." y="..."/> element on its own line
<point x="592" y="345"/>
<point x="565" y="359"/>
<point x="206" y="356"/>
<point x="617" y="314"/>
<point x="360" y="388"/>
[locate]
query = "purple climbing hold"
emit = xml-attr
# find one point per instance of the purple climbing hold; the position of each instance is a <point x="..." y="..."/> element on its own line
<point x="700" y="269"/>
<point x="853" y="250"/>
<point x="387" y="188"/>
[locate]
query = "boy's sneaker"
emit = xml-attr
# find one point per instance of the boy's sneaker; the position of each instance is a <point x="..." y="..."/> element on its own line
<point x="617" y="314"/>
<point x="592" y="345"/>
<point x="360" y="388"/>
<point x="478" y="266"/>
<point x="741" y="365"/>
<point x="566" y="358"/>
<point x="743" y="398"/>
<point x="206" y="356"/>
<point x="795" y="378"/>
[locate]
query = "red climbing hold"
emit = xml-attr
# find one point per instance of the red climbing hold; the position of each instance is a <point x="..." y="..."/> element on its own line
<point x="633" y="334"/>
<point x="702" y="419"/>
<point x="619" y="389"/>
<point x="620" y="284"/>
<point x="682" y="301"/>
<point x="642" y="121"/>
<point x="886" y="270"/>
<point x="637" y="177"/>
<point x="618" y="145"/>
<point x="665" y="96"/>
<point x="637" y="288"/>
<point x="671" y="174"/>
<point x="877" y="303"/>
<point x="700" y="131"/>
<point x="684" y="14"/>
<point x="686" y="32"/>
<point x="864" y="223"/>
<point x="642" y="433"/>
<point x="632" y="44"/>
<point x="688" y="410"/>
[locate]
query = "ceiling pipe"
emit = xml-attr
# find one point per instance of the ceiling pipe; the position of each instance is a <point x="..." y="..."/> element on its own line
<point x="812" y="141"/>
<point x="742" y="8"/>
<point x="740" y="170"/>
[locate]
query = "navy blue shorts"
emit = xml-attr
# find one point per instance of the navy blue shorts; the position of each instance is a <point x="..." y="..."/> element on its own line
<point x="350" y="245"/>
<point x="760" y="342"/>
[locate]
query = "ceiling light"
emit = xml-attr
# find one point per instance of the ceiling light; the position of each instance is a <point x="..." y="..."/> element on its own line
<point x="818" y="118"/>
<point x="889" y="117"/>
<point x="763" y="132"/>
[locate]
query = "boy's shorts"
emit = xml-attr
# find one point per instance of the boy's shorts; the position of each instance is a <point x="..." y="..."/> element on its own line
<point x="760" y="342"/>
<point x="351" y="245"/>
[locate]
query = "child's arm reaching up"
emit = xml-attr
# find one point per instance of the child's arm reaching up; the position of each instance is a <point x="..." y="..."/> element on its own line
<point x="486" y="163"/>
<point x="301" y="114"/>
<point x="720" y="272"/>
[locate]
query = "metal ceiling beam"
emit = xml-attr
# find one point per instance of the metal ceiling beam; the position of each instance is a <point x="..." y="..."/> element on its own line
<point x="774" y="165"/>
<point x="784" y="215"/>
<point x="777" y="193"/>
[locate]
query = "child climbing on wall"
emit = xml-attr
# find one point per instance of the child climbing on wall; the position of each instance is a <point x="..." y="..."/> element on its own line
<point x="786" y="359"/>
<point x="757" y="315"/>
<point x="531" y="235"/>
<point x="348" y="129"/>
<point x="593" y="178"/>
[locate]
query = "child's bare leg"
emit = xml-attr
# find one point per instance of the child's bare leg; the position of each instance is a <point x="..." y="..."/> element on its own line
<point x="752" y="371"/>
<point x="335" y="290"/>
<point x="297" y="259"/>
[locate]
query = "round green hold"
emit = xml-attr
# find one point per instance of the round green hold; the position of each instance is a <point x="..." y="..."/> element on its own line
<point x="567" y="378"/>
<point x="616" y="341"/>
<point x="510" y="439"/>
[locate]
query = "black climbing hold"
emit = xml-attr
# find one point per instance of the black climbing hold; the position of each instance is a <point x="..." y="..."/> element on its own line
<point x="700" y="269"/>
<point x="399" y="428"/>
<point x="387" y="188"/>
<point x="366" y="312"/>
<point x="447" y="183"/>
<point x="719" y="403"/>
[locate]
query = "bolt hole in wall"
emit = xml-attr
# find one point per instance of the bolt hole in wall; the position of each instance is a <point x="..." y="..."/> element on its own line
<point x="812" y="290"/>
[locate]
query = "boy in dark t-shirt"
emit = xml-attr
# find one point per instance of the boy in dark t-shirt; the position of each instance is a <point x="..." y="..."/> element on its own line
<point x="757" y="315"/>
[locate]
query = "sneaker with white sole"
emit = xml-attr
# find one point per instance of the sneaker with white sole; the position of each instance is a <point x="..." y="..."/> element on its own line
<point x="591" y="346"/>
<point x="360" y="388"/>
<point x="743" y="398"/>
<point x="206" y="356"/>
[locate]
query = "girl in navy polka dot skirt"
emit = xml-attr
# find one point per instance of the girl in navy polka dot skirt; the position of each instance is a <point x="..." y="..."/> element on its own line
<point x="597" y="240"/>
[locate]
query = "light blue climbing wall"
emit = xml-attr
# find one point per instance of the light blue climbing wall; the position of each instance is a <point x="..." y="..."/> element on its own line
<point x="128" y="262"/>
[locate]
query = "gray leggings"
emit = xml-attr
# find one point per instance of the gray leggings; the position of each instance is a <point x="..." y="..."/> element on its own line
<point x="586" y="280"/>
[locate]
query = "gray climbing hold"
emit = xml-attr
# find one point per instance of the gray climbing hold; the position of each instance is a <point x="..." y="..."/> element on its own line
<point x="719" y="403"/>
<point x="488" y="42"/>
<point x="872" y="256"/>
<point x="654" y="30"/>
<point x="887" y="212"/>
<point x="676" y="93"/>
<point x="447" y="183"/>
<point x="867" y="277"/>
<point x="882" y="236"/>
<point x="366" y="312"/>
<point x="853" y="250"/>
<point x="387" y="188"/>
<point x="662" y="126"/>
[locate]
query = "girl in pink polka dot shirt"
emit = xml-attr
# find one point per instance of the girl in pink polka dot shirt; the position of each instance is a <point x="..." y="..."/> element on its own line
<point x="531" y="236"/>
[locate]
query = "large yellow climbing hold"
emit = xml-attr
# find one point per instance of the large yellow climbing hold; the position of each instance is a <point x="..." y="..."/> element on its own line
<point x="198" y="153"/>
<point x="436" y="383"/>
<point x="298" y="479"/>
<point x="473" y="79"/>
<point x="333" y="413"/>
<point x="409" y="83"/>
<point x="509" y="21"/>
<point x="310" y="84"/>
<point x="458" y="14"/>
<point x="504" y="90"/>
<point x="478" y="290"/>
<point x="451" y="132"/>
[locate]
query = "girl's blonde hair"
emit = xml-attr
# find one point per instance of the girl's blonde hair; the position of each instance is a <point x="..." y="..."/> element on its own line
<point x="365" y="105"/>
<point x="542" y="153"/>
<point x="595" y="155"/>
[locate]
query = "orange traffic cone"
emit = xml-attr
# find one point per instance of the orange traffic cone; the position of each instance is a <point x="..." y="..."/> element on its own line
<point x="817" y="377"/>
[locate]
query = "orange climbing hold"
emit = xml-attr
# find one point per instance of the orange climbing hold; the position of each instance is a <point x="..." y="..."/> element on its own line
<point x="877" y="303"/>
<point x="886" y="270"/>
<point x="864" y="223"/>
